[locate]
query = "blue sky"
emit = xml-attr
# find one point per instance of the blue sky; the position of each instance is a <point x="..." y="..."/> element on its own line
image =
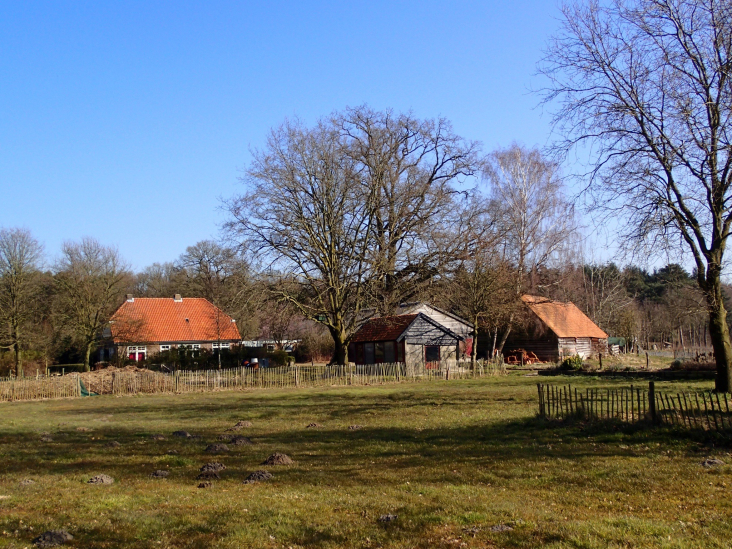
<point x="127" y="121"/>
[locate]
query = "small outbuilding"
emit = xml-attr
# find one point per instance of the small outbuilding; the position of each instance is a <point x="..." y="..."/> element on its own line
<point x="414" y="339"/>
<point x="556" y="330"/>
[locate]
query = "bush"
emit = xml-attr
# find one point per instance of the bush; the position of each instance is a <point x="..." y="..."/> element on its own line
<point x="278" y="358"/>
<point x="572" y="363"/>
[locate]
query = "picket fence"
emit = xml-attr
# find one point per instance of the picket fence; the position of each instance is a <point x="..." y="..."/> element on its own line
<point x="125" y="382"/>
<point x="708" y="411"/>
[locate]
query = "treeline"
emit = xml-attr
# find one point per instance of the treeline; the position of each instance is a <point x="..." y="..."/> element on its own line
<point x="346" y="219"/>
<point x="57" y="315"/>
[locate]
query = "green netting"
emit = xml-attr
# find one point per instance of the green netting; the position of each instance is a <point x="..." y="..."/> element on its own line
<point x="84" y="391"/>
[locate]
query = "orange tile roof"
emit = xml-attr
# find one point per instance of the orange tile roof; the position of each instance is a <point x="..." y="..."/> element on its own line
<point x="157" y="319"/>
<point x="564" y="319"/>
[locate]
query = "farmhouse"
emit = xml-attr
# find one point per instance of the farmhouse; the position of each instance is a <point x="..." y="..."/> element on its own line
<point x="145" y="326"/>
<point x="555" y="330"/>
<point x="414" y="339"/>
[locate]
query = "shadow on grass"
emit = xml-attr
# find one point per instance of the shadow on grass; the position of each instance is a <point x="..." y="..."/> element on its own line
<point x="345" y="455"/>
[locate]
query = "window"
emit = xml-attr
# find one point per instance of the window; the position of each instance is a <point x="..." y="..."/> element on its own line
<point x="379" y="352"/>
<point x="389" y="352"/>
<point x="220" y="345"/>
<point x="136" y="353"/>
<point x="431" y="353"/>
<point x="164" y="348"/>
<point x="368" y="353"/>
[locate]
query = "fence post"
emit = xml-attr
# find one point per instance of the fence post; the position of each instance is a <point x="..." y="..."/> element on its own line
<point x="541" y="399"/>
<point x="652" y="400"/>
<point x="647" y="361"/>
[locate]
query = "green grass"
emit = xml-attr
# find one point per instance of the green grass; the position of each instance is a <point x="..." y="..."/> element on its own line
<point x="451" y="459"/>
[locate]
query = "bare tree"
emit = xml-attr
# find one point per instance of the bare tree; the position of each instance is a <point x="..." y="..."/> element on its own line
<point x="20" y="262"/>
<point x="307" y="213"/>
<point x="90" y="282"/>
<point x="482" y="291"/>
<point x="646" y="87"/>
<point x="413" y="169"/>
<point x="535" y="221"/>
<point x="159" y="280"/>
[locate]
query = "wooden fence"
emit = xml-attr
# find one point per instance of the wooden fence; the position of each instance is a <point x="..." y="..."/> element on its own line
<point x="40" y="388"/>
<point x="708" y="411"/>
<point x="126" y="382"/>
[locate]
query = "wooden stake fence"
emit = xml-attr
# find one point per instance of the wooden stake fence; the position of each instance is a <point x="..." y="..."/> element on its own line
<point x="707" y="411"/>
<point x="122" y="382"/>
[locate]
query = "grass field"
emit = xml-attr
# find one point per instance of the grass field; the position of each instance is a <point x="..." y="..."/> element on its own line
<point x="457" y="462"/>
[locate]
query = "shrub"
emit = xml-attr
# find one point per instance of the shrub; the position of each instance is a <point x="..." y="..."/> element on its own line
<point x="572" y="363"/>
<point x="278" y="358"/>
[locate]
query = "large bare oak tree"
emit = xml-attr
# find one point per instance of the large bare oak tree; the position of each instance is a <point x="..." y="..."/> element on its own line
<point x="358" y="211"/>
<point x="306" y="214"/>
<point x="415" y="170"/>
<point x="645" y="87"/>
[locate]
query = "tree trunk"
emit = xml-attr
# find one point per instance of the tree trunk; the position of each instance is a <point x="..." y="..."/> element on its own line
<point x="505" y="334"/>
<point x="340" y="351"/>
<point x="474" y="350"/>
<point x="18" y="359"/>
<point x="340" y="354"/>
<point x="87" y="355"/>
<point x="719" y="332"/>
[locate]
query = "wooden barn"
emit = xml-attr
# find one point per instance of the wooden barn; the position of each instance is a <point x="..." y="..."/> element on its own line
<point x="415" y="339"/>
<point x="556" y="330"/>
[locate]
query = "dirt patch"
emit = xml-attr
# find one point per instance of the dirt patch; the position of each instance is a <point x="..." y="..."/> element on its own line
<point x="205" y="484"/>
<point x="387" y="518"/>
<point x="213" y="467"/>
<point x="113" y="444"/>
<point x="46" y="438"/>
<point x="258" y="476"/>
<point x="240" y="425"/>
<point x="84" y="429"/>
<point x="501" y="528"/>
<point x="240" y="440"/>
<point x="52" y="538"/>
<point x="216" y="448"/>
<point x="278" y="459"/>
<point x="160" y="473"/>
<point x="181" y="434"/>
<point x="101" y="479"/>
<point x="355" y="427"/>
<point x="158" y="437"/>
<point x="224" y="438"/>
<point x="313" y="425"/>
<point x="208" y="475"/>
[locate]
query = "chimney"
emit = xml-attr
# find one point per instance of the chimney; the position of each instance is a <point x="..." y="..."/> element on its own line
<point x="130" y="299"/>
<point x="178" y="298"/>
